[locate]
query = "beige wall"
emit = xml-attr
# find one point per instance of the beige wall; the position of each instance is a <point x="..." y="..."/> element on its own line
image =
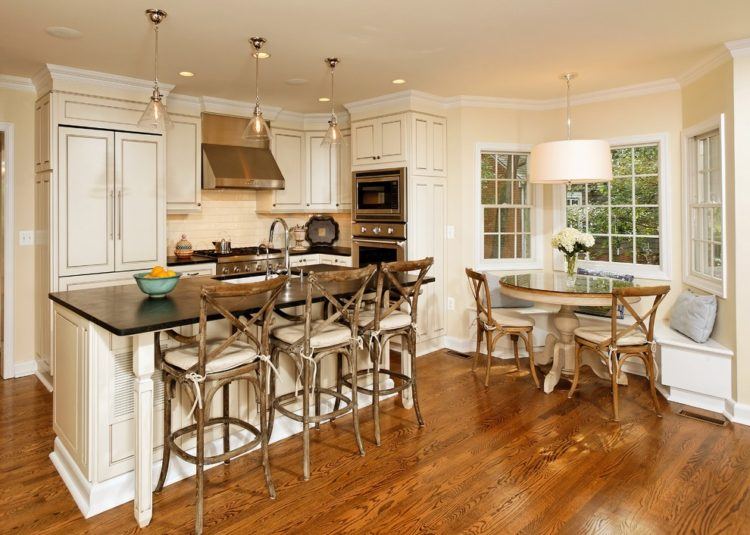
<point x="233" y="213"/>
<point x="17" y="107"/>
<point x="705" y="98"/>
<point x="650" y="114"/>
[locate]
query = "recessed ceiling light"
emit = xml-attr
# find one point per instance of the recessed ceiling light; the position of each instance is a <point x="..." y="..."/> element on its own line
<point x="324" y="99"/>
<point x="63" y="32"/>
<point x="187" y="74"/>
<point x="398" y="81"/>
<point x="296" y="81"/>
<point x="261" y="55"/>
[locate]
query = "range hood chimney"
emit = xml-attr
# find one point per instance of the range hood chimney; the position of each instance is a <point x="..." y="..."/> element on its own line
<point x="231" y="162"/>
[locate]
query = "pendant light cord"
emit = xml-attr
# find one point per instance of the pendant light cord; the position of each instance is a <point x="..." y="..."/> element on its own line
<point x="257" y="77"/>
<point x="156" y="58"/>
<point x="567" y="104"/>
<point x="333" y="112"/>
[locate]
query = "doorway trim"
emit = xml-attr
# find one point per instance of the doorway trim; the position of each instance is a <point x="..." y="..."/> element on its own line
<point x="8" y="215"/>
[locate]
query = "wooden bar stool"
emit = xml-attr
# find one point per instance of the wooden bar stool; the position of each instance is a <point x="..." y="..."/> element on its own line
<point x="494" y="323"/>
<point x="308" y="342"/>
<point x="616" y="344"/>
<point x="206" y="367"/>
<point x="388" y="321"/>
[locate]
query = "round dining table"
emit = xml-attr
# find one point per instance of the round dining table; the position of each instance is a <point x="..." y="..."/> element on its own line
<point x="556" y="288"/>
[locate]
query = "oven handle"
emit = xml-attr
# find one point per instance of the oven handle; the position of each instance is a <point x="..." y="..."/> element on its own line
<point x="399" y="243"/>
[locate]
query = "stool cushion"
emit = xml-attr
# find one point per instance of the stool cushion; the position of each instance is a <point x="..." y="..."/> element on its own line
<point x="503" y="318"/>
<point x="599" y="335"/>
<point x="394" y="320"/>
<point x="331" y="335"/>
<point x="238" y="354"/>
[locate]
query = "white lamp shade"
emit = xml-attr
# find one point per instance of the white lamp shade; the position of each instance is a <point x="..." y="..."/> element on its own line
<point x="573" y="160"/>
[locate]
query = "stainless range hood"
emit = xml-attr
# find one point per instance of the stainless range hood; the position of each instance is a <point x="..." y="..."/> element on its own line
<point x="230" y="162"/>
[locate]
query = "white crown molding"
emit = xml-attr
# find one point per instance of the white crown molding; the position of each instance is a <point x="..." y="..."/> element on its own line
<point x="311" y="121"/>
<point x="699" y="70"/>
<point x="239" y="108"/>
<point x="16" y="83"/>
<point x="410" y="99"/>
<point x="739" y="48"/>
<point x="51" y="74"/>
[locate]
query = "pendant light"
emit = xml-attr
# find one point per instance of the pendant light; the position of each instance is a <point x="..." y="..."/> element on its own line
<point x="155" y="116"/>
<point x="257" y="129"/>
<point x="571" y="160"/>
<point x="333" y="134"/>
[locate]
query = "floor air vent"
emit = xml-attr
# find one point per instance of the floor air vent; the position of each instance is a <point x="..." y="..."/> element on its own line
<point x="458" y="354"/>
<point x="714" y="420"/>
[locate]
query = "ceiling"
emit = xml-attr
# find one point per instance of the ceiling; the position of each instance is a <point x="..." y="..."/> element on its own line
<point x="503" y="48"/>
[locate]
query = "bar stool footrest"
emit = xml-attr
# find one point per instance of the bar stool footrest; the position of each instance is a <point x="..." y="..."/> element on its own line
<point x="407" y="382"/>
<point x="277" y="404"/>
<point x="213" y="459"/>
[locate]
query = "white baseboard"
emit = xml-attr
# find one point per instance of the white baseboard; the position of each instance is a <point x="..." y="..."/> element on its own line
<point x="45" y="379"/>
<point x="738" y="413"/>
<point x="22" y="369"/>
<point x="94" y="498"/>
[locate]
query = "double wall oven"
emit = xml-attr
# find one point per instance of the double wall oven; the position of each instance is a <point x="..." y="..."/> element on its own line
<point x="379" y="216"/>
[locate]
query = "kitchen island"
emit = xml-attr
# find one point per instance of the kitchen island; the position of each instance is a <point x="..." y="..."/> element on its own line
<point x="106" y="409"/>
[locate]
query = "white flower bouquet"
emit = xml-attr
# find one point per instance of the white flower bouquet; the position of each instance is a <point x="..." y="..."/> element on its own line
<point x="570" y="242"/>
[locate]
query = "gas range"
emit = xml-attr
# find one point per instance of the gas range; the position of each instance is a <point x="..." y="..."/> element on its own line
<point x="244" y="260"/>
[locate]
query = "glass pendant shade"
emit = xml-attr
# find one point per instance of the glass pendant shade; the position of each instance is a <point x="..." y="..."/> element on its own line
<point x="155" y="116"/>
<point x="569" y="161"/>
<point x="333" y="134"/>
<point x="257" y="128"/>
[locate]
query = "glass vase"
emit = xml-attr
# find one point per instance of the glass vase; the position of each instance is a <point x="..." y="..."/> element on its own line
<point x="571" y="262"/>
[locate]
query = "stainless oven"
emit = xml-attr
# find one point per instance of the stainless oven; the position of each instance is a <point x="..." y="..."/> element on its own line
<point x="366" y="251"/>
<point x="380" y="195"/>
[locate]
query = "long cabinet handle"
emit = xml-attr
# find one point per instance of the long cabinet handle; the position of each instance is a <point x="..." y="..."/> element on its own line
<point x="110" y="224"/>
<point x="119" y="211"/>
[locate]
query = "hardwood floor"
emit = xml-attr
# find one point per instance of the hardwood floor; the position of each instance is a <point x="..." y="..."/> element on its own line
<point x="506" y="459"/>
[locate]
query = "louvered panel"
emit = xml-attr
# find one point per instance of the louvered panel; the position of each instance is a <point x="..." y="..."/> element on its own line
<point x="123" y="400"/>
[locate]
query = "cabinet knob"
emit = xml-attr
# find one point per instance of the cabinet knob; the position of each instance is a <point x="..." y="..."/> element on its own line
<point x="374" y="157"/>
<point x="308" y="204"/>
<point x="376" y="230"/>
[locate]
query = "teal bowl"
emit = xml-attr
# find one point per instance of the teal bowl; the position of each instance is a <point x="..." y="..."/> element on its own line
<point x="156" y="288"/>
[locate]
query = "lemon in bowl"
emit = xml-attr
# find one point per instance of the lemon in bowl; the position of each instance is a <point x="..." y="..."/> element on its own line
<point x="158" y="282"/>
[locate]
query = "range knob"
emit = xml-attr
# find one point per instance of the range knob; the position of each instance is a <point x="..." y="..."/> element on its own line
<point x="390" y="230"/>
<point x="258" y="266"/>
<point x="376" y="230"/>
<point x="363" y="229"/>
<point x="236" y="269"/>
<point x="246" y="268"/>
<point x="224" y="270"/>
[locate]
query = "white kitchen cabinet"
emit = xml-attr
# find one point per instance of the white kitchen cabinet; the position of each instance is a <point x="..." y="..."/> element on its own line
<point x="42" y="308"/>
<point x="428" y="145"/>
<point x="99" y="280"/>
<point x="111" y="201"/>
<point x="344" y="173"/>
<point x="321" y="170"/>
<point x="139" y="189"/>
<point x="426" y="229"/>
<point x="304" y="260"/>
<point x="289" y="150"/>
<point x="335" y="260"/>
<point x="381" y="140"/>
<point x="195" y="270"/>
<point x="184" y="165"/>
<point x="42" y="134"/>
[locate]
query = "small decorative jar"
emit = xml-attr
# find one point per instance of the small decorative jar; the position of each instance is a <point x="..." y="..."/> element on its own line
<point x="183" y="248"/>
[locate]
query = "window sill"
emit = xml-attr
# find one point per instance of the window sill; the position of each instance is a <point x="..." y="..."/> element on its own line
<point x="509" y="265"/>
<point x="717" y="288"/>
<point x="638" y="271"/>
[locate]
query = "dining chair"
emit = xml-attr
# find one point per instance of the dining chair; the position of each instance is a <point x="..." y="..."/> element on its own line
<point x="207" y="366"/>
<point x="494" y="323"/>
<point x="617" y="343"/>
<point x="308" y="341"/>
<point x="394" y="316"/>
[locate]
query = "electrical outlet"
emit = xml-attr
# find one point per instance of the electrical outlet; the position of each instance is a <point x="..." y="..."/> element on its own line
<point x="450" y="232"/>
<point x="450" y="303"/>
<point x="26" y="237"/>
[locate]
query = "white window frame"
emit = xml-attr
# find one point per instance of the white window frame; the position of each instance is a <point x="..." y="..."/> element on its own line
<point x="690" y="277"/>
<point x="537" y="215"/>
<point x="664" y="270"/>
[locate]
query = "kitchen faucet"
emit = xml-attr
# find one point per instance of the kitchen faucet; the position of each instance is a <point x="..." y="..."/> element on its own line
<point x="287" y="266"/>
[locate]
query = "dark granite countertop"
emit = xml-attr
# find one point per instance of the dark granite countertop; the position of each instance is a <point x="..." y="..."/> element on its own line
<point x="125" y="310"/>
<point x="333" y="250"/>
<point x="195" y="259"/>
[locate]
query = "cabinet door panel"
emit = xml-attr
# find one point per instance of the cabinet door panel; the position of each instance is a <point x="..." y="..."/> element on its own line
<point x="344" y="173"/>
<point x="320" y="192"/>
<point x="85" y="201"/>
<point x="138" y="215"/>
<point x="392" y="139"/>
<point x="184" y="165"/>
<point x="365" y="148"/>
<point x="289" y="154"/>
<point x="421" y="144"/>
<point x="438" y="147"/>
